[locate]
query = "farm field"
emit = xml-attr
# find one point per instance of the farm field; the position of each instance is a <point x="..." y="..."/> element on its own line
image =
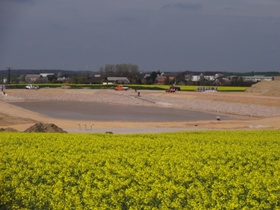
<point x="184" y="170"/>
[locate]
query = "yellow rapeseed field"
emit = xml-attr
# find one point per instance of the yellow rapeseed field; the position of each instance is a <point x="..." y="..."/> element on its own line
<point x="184" y="170"/>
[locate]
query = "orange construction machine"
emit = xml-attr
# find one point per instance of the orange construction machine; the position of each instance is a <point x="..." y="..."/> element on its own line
<point x="120" y="87"/>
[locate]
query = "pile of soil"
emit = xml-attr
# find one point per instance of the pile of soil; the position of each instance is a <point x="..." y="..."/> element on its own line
<point x="8" y="130"/>
<point x="266" y="88"/>
<point x="45" y="128"/>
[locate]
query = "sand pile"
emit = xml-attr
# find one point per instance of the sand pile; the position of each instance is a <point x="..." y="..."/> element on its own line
<point x="45" y="128"/>
<point x="267" y="88"/>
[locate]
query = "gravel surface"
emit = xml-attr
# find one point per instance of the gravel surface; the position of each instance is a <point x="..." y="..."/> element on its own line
<point x="219" y="106"/>
<point x="146" y="98"/>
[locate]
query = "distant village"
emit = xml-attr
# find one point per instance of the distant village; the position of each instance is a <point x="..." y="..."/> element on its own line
<point x="134" y="77"/>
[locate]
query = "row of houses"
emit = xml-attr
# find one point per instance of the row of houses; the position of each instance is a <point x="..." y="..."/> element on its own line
<point x="258" y="78"/>
<point x="39" y="78"/>
<point x="162" y="78"/>
<point x="217" y="79"/>
<point x="51" y="77"/>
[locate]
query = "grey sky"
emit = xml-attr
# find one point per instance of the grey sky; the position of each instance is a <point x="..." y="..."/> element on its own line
<point x="166" y="35"/>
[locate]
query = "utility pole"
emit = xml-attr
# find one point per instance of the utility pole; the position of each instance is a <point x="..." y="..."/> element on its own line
<point x="9" y="76"/>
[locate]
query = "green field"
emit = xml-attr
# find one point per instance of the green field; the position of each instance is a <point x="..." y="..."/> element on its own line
<point x="137" y="87"/>
<point x="189" y="88"/>
<point x="184" y="170"/>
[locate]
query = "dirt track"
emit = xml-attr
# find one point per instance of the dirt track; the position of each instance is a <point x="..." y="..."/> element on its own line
<point x="245" y="107"/>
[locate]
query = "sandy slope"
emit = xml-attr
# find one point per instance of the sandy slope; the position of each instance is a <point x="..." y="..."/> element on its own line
<point x="20" y="119"/>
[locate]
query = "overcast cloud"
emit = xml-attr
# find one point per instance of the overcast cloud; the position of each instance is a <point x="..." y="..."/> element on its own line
<point x="166" y="35"/>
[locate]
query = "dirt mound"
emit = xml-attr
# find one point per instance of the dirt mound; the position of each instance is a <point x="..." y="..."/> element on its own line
<point x="8" y="130"/>
<point x="45" y="128"/>
<point x="266" y="88"/>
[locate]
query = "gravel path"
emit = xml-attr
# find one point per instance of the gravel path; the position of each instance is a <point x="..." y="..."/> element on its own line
<point x="147" y="98"/>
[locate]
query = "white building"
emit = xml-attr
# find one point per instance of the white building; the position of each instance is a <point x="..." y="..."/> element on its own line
<point x="116" y="80"/>
<point x="257" y="78"/>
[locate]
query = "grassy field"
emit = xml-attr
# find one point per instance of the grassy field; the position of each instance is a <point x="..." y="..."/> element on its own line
<point x="190" y="88"/>
<point x="137" y="87"/>
<point x="184" y="170"/>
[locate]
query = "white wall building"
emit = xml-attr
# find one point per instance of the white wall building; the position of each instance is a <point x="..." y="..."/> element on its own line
<point x="257" y="78"/>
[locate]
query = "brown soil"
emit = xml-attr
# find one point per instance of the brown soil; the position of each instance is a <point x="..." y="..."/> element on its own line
<point x="7" y="119"/>
<point x="266" y="88"/>
<point x="8" y="130"/>
<point x="45" y="128"/>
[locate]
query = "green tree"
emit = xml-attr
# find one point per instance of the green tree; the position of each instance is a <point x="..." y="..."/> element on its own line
<point x="121" y="70"/>
<point x="151" y="79"/>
